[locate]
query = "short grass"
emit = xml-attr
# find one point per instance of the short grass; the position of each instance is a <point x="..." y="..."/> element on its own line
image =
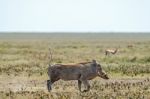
<point x="24" y="62"/>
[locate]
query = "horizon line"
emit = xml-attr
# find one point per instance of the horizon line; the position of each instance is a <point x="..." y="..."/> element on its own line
<point x="64" y="32"/>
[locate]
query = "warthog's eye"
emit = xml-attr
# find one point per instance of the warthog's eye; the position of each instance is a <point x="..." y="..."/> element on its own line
<point x="99" y="67"/>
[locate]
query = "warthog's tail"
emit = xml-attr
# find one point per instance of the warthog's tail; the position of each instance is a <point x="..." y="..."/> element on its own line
<point x="49" y="70"/>
<point x="50" y="56"/>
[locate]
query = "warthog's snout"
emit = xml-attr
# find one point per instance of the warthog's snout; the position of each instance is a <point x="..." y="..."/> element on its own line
<point x="101" y="72"/>
<point x="103" y="75"/>
<point x="106" y="76"/>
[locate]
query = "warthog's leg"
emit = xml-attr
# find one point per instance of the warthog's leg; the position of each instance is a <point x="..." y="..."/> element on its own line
<point x="79" y="84"/>
<point x="49" y="85"/>
<point x="50" y="82"/>
<point x="86" y="83"/>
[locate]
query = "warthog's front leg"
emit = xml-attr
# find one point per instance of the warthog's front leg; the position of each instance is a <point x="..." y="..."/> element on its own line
<point x="49" y="85"/>
<point x="86" y="83"/>
<point x="79" y="85"/>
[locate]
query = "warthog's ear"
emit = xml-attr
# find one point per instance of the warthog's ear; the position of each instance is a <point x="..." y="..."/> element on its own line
<point x="94" y="61"/>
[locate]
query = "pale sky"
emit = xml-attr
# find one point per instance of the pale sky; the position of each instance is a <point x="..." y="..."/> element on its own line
<point x="75" y="15"/>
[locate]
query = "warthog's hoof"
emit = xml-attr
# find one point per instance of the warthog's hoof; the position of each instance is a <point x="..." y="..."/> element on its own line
<point x="49" y="90"/>
<point x="85" y="90"/>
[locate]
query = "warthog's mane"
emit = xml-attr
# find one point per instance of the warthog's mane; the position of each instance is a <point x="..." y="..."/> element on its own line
<point x="73" y="65"/>
<point x="84" y="63"/>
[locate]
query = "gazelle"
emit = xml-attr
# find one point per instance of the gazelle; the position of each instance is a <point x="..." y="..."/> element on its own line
<point x="110" y="51"/>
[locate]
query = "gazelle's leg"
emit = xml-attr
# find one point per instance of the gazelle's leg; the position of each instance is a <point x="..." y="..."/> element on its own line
<point x="79" y="85"/>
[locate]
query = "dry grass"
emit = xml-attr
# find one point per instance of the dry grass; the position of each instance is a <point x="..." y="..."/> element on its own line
<point x="23" y="67"/>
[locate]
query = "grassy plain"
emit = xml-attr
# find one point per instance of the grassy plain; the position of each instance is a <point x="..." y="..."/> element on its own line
<point x="24" y="62"/>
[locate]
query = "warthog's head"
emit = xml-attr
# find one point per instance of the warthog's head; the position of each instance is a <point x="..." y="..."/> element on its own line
<point x="101" y="72"/>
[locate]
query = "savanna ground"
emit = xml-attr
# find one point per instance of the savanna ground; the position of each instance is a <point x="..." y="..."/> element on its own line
<point x="24" y="62"/>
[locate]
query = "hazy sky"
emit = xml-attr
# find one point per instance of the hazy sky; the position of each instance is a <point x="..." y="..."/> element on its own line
<point x="75" y="15"/>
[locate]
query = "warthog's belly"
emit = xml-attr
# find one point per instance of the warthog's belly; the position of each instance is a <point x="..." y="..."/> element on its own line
<point x="91" y="76"/>
<point x="70" y="76"/>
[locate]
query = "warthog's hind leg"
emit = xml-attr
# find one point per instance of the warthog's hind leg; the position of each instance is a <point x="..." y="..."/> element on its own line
<point x="49" y="85"/>
<point x="50" y="82"/>
<point x="79" y="85"/>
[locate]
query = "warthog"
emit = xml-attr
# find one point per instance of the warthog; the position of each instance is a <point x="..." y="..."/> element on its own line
<point x="81" y="72"/>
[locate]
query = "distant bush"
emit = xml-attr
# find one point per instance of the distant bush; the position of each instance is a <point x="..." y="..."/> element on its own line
<point x="145" y="59"/>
